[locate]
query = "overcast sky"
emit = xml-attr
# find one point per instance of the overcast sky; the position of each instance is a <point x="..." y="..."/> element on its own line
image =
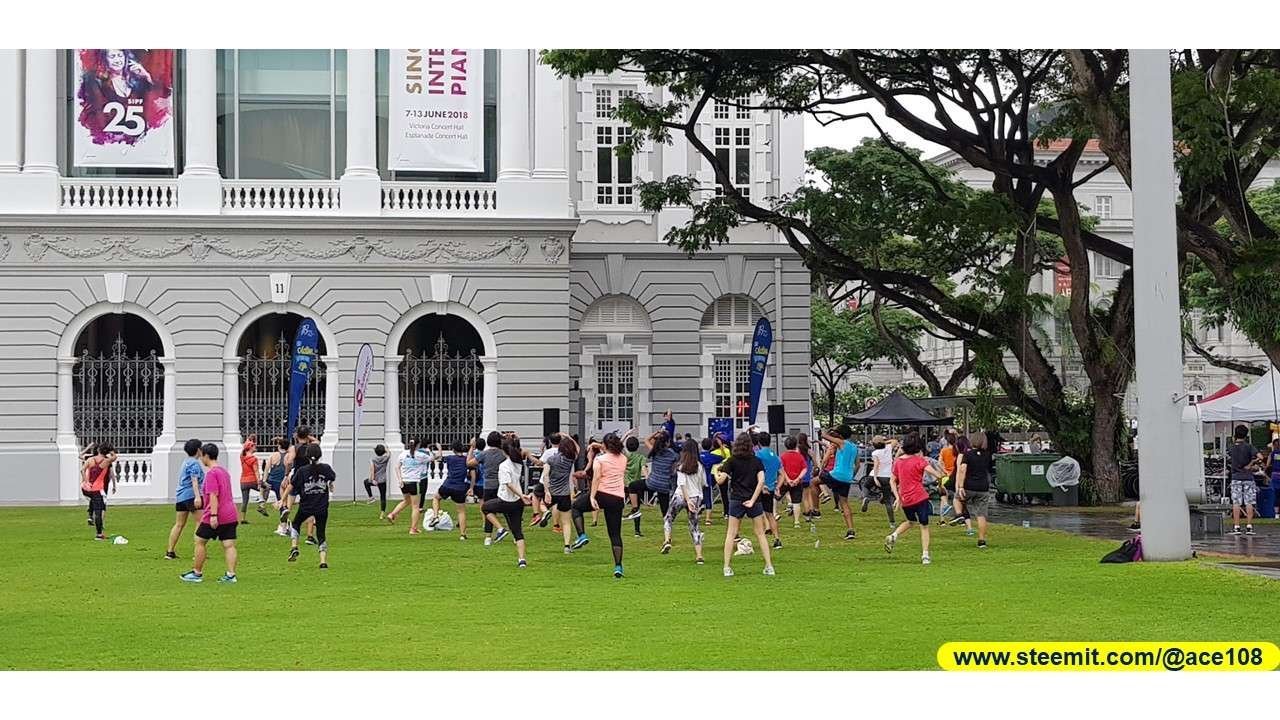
<point x="847" y="133"/>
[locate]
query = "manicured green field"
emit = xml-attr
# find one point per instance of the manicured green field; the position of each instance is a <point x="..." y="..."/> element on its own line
<point x="391" y="601"/>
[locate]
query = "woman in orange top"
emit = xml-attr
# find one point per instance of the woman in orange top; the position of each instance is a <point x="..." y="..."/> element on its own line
<point x="947" y="456"/>
<point x="249" y="477"/>
<point x="97" y="475"/>
<point x="608" y="468"/>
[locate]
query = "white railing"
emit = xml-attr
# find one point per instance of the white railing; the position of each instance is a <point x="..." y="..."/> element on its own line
<point x="434" y="199"/>
<point x="113" y="195"/>
<point x="132" y="469"/>
<point x="269" y="197"/>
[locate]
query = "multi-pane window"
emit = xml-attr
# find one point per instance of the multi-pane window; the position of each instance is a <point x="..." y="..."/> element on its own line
<point x="737" y="108"/>
<point x="614" y="173"/>
<point x="1102" y="207"/>
<point x="729" y="312"/>
<point x="732" y="377"/>
<point x="616" y="390"/>
<point x="732" y="144"/>
<point x="1106" y="267"/>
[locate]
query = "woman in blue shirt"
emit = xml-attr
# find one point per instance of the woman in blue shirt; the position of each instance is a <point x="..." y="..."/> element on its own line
<point x="187" y="498"/>
<point x="840" y="477"/>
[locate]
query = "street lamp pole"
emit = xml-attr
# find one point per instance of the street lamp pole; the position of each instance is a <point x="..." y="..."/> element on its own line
<point x="1166" y="526"/>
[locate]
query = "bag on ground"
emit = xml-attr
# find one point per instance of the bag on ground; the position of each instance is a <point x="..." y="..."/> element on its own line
<point x="445" y="522"/>
<point x="744" y="548"/>
<point x="1129" y="551"/>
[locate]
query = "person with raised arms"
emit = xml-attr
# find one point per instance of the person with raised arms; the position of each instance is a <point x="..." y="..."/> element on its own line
<point x="688" y="496"/>
<point x="608" y="468"/>
<point x="457" y="485"/>
<point x="410" y="469"/>
<point x="840" y="478"/>
<point x="511" y="499"/>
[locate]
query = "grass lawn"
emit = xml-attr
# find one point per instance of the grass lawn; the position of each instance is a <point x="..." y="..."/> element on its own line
<point x="391" y="601"/>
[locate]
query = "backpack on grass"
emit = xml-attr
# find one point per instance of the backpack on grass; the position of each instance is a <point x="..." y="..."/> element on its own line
<point x="1129" y="551"/>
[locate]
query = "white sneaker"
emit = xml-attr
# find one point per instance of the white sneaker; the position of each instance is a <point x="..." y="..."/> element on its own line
<point x="282" y="533"/>
<point x="488" y="541"/>
<point x="728" y="572"/>
<point x="889" y="541"/>
<point x="768" y="570"/>
<point x="924" y="559"/>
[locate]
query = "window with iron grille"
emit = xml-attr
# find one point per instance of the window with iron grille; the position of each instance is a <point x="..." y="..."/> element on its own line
<point x="616" y="390"/>
<point x="732" y="378"/>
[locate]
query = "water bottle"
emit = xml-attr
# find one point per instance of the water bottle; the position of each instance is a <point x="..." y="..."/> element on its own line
<point x="1026" y="523"/>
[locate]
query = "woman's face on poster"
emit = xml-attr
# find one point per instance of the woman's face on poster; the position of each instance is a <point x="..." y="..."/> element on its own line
<point x="115" y="60"/>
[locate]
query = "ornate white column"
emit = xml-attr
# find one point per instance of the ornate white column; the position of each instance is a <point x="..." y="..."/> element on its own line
<point x="68" y="451"/>
<point x="391" y="403"/>
<point x="39" y="190"/>
<point x="10" y="111"/>
<point x="231" y="411"/>
<point x="490" y="416"/>
<point x="162" y="465"/>
<point x="548" y="193"/>
<point x="329" y="442"/>
<point x="514" y="156"/>
<point x="199" y="186"/>
<point x="361" y="187"/>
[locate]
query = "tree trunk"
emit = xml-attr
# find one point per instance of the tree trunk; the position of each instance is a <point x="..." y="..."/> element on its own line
<point x="831" y="405"/>
<point x="1105" y="463"/>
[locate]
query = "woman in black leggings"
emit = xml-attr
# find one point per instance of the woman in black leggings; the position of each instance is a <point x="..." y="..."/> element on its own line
<point x="510" y="500"/>
<point x="608" y="488"/>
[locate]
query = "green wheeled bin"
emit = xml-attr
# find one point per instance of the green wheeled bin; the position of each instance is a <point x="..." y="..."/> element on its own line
<point x="1022" y="476"/>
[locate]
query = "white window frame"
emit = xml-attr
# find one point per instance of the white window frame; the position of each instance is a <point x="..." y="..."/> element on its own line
<point x="734" y="129"/>
<point x="610" y="369"/>
<point x="1103" y="206"/>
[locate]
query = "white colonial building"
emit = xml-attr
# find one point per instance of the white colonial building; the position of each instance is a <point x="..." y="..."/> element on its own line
<point x="145" y="307"/>
<point x="1109" y="200"/>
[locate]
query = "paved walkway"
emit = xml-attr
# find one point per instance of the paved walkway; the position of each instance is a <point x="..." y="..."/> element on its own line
<point x="1099" y="523"/>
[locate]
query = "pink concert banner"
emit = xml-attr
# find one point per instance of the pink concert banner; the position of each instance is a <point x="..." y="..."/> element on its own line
<point x="124" y="108"/>
<point x="437" y="110"/>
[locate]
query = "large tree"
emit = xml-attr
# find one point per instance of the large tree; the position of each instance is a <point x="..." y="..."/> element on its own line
<point x="961" y="261"/>
<point x="845" y="339"/>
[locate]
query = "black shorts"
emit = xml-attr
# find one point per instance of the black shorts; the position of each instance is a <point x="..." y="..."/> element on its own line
<point x="562" y="502"/>
<point x="489" y="494"/>
<point x="224" y="532"/>
<point x="458" y="495"/>
<point x="537" y="489"/>
<point x="409" y="488"/>
<point x="796" y="493"/>
<point x="766" y="501"/>
<point x="838" y="487"/>
<point x="919" y="512"/>
<point x="738" y="510"/>
<point x="185" y="506"/>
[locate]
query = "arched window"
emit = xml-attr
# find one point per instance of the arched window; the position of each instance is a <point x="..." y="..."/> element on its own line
<point x="118" y="388"/>
<point x="732" y="312"/>
<point x="615" y="313"/>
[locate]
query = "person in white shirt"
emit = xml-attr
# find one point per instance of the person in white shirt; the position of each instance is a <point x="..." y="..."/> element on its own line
<point x="876" y="483"/>
<point x="687" y="496"/>
<point x="410" y="469"/>
<point x="541" y="512"/>
<point x="511" y="499"/>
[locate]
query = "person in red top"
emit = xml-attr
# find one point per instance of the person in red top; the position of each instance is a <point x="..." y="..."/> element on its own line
<point x="249" y="479"/>
<point x="907" y="481"/>
<point x="219" y="519"/>
<point x="794" y="469"/>
<point x="97" y="474"/>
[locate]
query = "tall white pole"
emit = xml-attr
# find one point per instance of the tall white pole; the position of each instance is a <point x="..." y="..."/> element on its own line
<point x="1166" y="525"/>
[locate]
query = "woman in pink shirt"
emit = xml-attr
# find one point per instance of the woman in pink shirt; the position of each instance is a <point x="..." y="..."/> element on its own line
<point x="608" y="488"/>
<point x="907" y="481"/>
<point x="219" y="520"/>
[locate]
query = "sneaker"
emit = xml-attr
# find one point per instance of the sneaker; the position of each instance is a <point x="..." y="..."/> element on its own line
<point x="889" y="541"/>
<point x="263" y="512"/>
<point x="311" y="540"/>
<point x="546" y="518"/>
<point x="521" y="564"/>
<point x="229" y="579"/>
<point x="100" y="536"/>
<point x="535" y="520"/>
<point x="982" y="544"/>
<point x="191" y="576"/>
<point x="970" y="532"/>
<point x="244" y="522"/>
<point x="1248" y="529"/>
<point x="728" y="572"/>
<point x="617" y="572"/>
<point x="1135" y="526"/>
<point x="502" y="534"/>
<point x="666" y="546"/>
<point x="924" y="560"/>
<point x="866" y="503"/>
<point x="281" y="532"/>
<point x="412" y="531"/>
<point x="633" y="515"/>
<point x="777" y="543"/>
<point x="171" y="556"/>
<point x="825" y="499"/>
<point x="462" y="537"/>
<point x="488" y="541"/>
<point x="324" y="566"/>
<point x="700" y="561"/>
<point x="568" y="550"/>
<point x="369" y="501"/>
<point x="293" y="554"/>
<point x="581" y="541"/>
<point x="89" y="522"/>
<point x="639" y="534"/>
<point x="849" y="535"/>
<point x="768" y="570"/>
<point x="435" y="519"/>
<point x="1235" y="530"/>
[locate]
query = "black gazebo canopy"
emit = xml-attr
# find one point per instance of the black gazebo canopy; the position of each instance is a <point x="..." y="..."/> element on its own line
<point x="896" y="409"/>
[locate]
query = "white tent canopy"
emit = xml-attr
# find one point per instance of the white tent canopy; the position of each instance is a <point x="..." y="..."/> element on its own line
<point x="1259" y="401"/>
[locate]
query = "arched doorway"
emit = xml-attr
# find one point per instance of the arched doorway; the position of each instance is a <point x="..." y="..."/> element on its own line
<point x="263" y="375"/>
<point x="441" y="380"/>
<point x="117" y="393"/>
<point x="450" y="320"/>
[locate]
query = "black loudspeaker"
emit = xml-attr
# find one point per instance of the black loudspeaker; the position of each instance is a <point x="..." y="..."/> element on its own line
<point x="777" y="420"/>
<point x="550" y="421"/>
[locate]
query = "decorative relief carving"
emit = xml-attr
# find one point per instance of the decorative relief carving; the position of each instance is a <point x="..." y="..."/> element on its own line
<point x="552" y="250"/>
<point x="200" y="247"/>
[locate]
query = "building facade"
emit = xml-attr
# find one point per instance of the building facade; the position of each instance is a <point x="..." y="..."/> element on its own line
<point x="145" y="307"/>
<point x="1108" y="199"/>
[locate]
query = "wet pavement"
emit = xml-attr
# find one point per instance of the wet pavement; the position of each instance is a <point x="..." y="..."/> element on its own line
<point x="1113" y="525"/>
